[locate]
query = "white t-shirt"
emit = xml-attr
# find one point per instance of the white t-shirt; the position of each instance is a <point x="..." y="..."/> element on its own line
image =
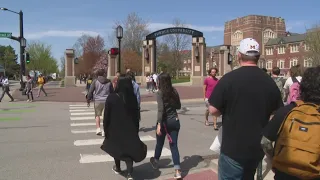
<point x="289" y="82"/>
<point x="155" y="77"/>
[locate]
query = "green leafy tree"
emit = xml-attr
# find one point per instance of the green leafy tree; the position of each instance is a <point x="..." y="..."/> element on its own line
<point x="8" y="59"/>
<point x="41" y="58"/>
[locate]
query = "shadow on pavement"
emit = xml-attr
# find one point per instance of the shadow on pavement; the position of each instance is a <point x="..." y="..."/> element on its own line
<point x="143" y="129"/>
<point x="145" y="171"/>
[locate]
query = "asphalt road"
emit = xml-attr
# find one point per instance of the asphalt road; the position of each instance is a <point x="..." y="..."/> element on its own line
<point x="55" y="141"/>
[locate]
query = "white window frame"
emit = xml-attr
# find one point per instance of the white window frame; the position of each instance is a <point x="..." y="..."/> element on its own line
<point x="269" y="64"/>
<point x="269" y="51"/>
<point x="293" y="62"/>
<point x="281" y="64"/>
<point x="307" y="63"/>
<point x="306" y="47"/>
<point x="261" y="64"/>
<point x="294" y="48"/>
<point x="207" y="66"/>
<point x="281" y="50"/>
<point x="268" y="33"/>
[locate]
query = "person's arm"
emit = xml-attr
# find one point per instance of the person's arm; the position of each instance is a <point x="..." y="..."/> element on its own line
<point x="138" y="95"/>
<point x="204" y="88"/>
<point x="91" y="90"/>
<point x="160" y="107"/>
<point x="178" y="102"/>
<point x="217" y="98"/>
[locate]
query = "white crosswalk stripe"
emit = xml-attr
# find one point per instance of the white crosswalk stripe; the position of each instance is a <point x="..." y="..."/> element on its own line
<point x="82" y="122"/>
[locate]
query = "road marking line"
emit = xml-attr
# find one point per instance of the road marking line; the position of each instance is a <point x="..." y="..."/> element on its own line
<point x="77" y="105"/>
<point x="83" y="131"/>
<point x="80" y="110"/>
<point x="83" y="124"/>
<point x="84" y="118"/>
<point x="88" y="142"/>
<point x="82" y="113"/>
<point x="95" y="158"/>
<point x="81" y="107"/>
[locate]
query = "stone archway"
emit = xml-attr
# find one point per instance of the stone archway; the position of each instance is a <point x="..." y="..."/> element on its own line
<point x="198" y="53"/>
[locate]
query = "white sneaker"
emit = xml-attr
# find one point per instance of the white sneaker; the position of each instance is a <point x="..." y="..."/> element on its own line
<point x="102" y="134"/>
<point x="98" y="132"/>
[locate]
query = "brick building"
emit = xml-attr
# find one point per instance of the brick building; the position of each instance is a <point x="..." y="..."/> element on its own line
<point x="285" y="52"/>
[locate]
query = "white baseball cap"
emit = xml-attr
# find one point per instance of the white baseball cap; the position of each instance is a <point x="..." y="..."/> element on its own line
<point x="249" y="47"/>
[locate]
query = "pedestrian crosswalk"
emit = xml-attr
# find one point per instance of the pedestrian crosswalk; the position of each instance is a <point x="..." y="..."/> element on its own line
<point x="83" y="126"/>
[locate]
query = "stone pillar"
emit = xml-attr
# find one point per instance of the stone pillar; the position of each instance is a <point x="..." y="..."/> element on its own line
<point x="112" y="65"/>
<point x="198" y="73"/>
<point x="148" y="60"/>
<point x="226" y="67"/>
<point x="70" y="79"/>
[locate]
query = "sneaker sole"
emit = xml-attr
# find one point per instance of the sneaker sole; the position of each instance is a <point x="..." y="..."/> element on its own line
<point x="154" y="166"/>
<point x="116" y="172"/>
<point x="177" y="177"/>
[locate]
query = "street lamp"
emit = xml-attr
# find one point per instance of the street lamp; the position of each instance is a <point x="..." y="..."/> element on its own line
<point x="119" y="36"/>
<point x="23" y="44"/>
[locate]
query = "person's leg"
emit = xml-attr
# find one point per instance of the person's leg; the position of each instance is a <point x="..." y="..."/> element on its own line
<point x="28" y="96"/>
<point x="31" y="93"/>
<point x="175" y="153"/>
<point x="207" y="113"/>
<point x="116" y="168"/>
<point x="98" y="112"/>
<point x="42" y="89"/>
<point x="129" y="164"/>
<point x="2" y="94"/>
<point x="39" y="90"/>
<point x="214" y="118"/>
<point x="157" y="153"/>
<point x="8" y="93"/>
<point x="229" y="168"/>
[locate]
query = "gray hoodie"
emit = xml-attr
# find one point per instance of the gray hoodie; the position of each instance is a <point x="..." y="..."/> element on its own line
<point x="100" y="89"/>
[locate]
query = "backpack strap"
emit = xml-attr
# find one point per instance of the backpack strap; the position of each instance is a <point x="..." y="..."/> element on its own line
<point x="295" y="80"/>
<point x="299" y="102"/>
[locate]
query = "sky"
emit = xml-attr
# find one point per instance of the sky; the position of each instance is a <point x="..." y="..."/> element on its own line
<point x="60" y="22"/>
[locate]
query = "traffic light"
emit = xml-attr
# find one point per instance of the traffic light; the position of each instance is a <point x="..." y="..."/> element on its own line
<point x="27" y="58"/>
<point x="113" y="51"/>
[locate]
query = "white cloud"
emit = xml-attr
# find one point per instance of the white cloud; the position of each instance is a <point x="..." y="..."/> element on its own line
<point x="58" y="33"/>
<point x="158" y="26"/>
<point x="295" y="24"/>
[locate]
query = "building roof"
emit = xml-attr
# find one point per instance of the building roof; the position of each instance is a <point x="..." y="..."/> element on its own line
<point x="290" y="38"/>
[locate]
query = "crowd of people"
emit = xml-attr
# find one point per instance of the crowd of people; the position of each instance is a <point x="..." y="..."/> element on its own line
<point x="251" y="103"/>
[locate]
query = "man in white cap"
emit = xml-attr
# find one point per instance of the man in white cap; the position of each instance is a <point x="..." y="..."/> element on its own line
<point x="246" y="98"/>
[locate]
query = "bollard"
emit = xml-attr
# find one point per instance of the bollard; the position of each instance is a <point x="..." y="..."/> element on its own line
<point x="259" y="171"/>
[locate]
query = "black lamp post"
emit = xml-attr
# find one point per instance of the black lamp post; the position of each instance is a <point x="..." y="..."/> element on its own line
<point x="23" y="44"/>
<point x="119" y="36"/>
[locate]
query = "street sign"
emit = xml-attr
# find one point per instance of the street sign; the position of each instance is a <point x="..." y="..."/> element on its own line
<point x="5" y="35"/>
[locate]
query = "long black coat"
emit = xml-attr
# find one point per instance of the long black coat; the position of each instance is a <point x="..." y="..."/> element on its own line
<point x="121" y="134"/>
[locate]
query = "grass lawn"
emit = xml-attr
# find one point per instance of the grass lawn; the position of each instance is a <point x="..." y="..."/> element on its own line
<point x="180" y="80"/>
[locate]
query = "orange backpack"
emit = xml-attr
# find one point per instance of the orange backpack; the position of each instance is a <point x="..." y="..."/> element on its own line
<point x="297" y="149"/>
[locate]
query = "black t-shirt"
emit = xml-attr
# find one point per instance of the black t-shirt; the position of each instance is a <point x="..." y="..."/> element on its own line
<point x="272" y="128"/>
<point x="246" y="97"/>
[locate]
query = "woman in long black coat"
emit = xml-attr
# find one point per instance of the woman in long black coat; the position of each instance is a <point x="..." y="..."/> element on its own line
<point x="120" y="121"/>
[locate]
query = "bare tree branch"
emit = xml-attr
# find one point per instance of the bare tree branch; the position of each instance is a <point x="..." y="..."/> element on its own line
<point x="313" y="42"/>
<point x="78" y="46"/>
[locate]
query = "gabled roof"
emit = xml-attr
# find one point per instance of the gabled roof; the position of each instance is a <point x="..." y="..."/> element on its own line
<point x="293" y="38"/>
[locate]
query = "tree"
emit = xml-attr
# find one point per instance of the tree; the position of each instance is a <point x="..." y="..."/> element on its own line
<point x="41" y="58"/>
<point x="102" y="63"/>
<point x="131" y="60"/>
<point x="92" y="51"/>
<point x="135" y="31"/>
<point x="8" y="59"/>
<point x="79" y="45"/>
<point x="164" y="58"/>
<point x="178" y="43"/>
<point x="313" y="42"/>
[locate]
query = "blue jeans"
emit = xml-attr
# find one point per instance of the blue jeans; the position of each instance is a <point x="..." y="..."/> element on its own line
<point x="173" y="131"/>
<point x="229" y="169"/>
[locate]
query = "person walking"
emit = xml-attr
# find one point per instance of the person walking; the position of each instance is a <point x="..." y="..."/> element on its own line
<point x="208" y="86"/>
<point x="136" y="90"/>
<point x="246" y="98"/>
<point x="29" y="87"/>
<point x="5" y="89"/>
<point x="168" y="123"/>
<point x="98" y="92"/>
<point x="41" y="82"/>
<point x="121" y="115"/>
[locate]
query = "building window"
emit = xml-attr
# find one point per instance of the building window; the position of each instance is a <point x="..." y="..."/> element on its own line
<point x="281" y="50"/>
<point x="189" y="61"/>
<point x="185" y="68"/>
<point x="236" y="38"/>
<point x="294" y="48"/>
<point x="269" y="51"/>
<point x="307" y="63"/>
<point x="207" y="66"/>
<point x="261" y="64"/>
<point x="268" y="33"/>
<point x="306" y="47"/>
<point x="293" y="62"/>
<point x="189" y="69"/>
<point x="269" y="64"/>
<point x="185" y="61"/>
<point x="280" y="64"/>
